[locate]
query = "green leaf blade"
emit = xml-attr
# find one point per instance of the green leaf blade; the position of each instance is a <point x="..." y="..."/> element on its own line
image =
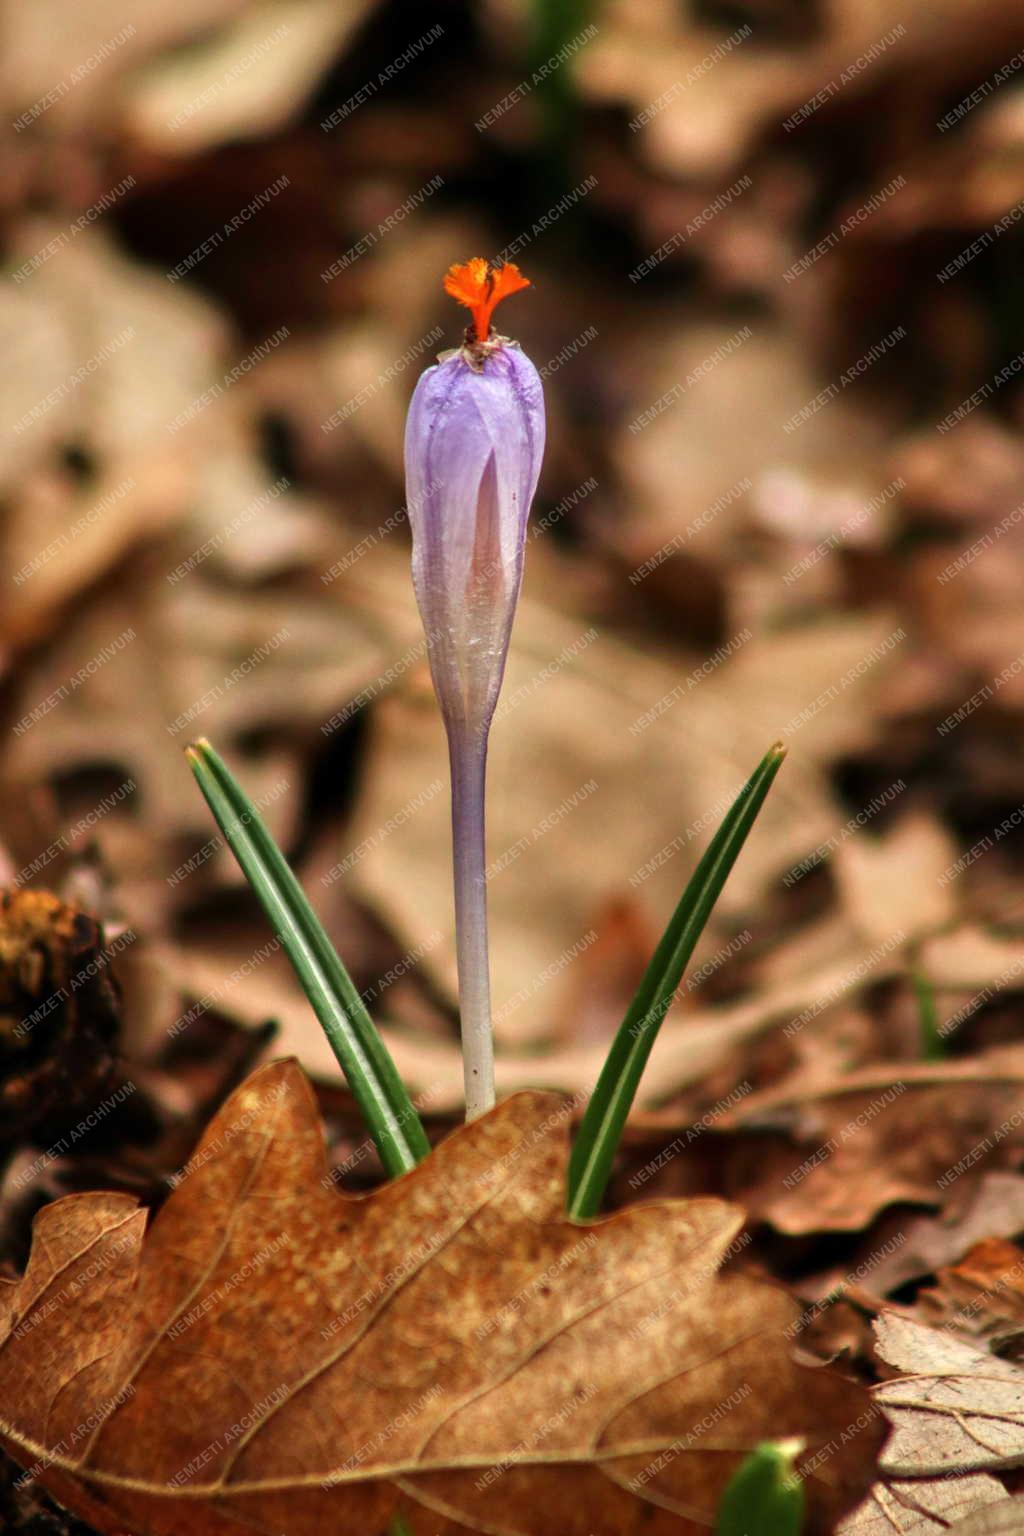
<point x="933" y="1045"/>
<point x="362" y="1055"/>
<point x="606" y="1114"/>
<point x="764" y="1497"/>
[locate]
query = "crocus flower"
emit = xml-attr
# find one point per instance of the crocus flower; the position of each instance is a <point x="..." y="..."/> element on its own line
<point x="473" y="446"/>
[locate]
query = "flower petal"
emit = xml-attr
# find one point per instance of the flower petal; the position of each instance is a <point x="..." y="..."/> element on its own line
<point x="474" y="442"/>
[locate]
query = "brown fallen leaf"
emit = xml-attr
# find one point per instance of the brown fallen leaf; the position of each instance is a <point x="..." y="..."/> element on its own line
<point x="893" y="880"/>
<point x="293" y="44"/>
<point x="958" y="1409"/>
<point x="994" y="1209"/>
<point x="39" y="55"/>
<point x="899" y="1132"/>
<point x="981" y="1299"/>
<point x="956" y="1416"/>
<point x="277" y="1356"/>
<point x="910" y="1508"/>
<point x="1006" y="1519"/>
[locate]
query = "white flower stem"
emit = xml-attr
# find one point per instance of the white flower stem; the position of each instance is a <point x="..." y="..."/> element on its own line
<point x="468" y="756"/>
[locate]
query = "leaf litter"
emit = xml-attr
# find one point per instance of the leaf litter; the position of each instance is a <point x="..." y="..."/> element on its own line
<point x="896" y="812"/>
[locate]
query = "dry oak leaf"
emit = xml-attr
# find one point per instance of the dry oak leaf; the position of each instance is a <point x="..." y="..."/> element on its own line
<point x="956" y="1408"/>
<point x="926" y="1507"/>
<point x="279" y="1357"/>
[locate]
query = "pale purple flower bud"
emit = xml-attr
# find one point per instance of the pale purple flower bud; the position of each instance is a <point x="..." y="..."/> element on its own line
<point x="473" y="447"/>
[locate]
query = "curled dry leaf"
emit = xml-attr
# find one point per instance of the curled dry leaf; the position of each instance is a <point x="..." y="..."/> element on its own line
<point x="994" y="1209"/>
<point x="277" y="1356"/>
<point x="981" y="1298"/>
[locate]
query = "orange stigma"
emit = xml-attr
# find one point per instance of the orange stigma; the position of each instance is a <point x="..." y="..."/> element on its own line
<point x="481" y="287"/>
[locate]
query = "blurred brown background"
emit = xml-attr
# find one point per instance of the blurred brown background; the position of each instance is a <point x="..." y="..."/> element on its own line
<point x="774" y="250"/>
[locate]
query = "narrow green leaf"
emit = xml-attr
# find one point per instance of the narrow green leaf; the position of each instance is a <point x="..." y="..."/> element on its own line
<point x="362" y="1055"/>
<point x="765" y="1497"/>
<point x="606" y="1114"/>
<point x="933" y="1045"/>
